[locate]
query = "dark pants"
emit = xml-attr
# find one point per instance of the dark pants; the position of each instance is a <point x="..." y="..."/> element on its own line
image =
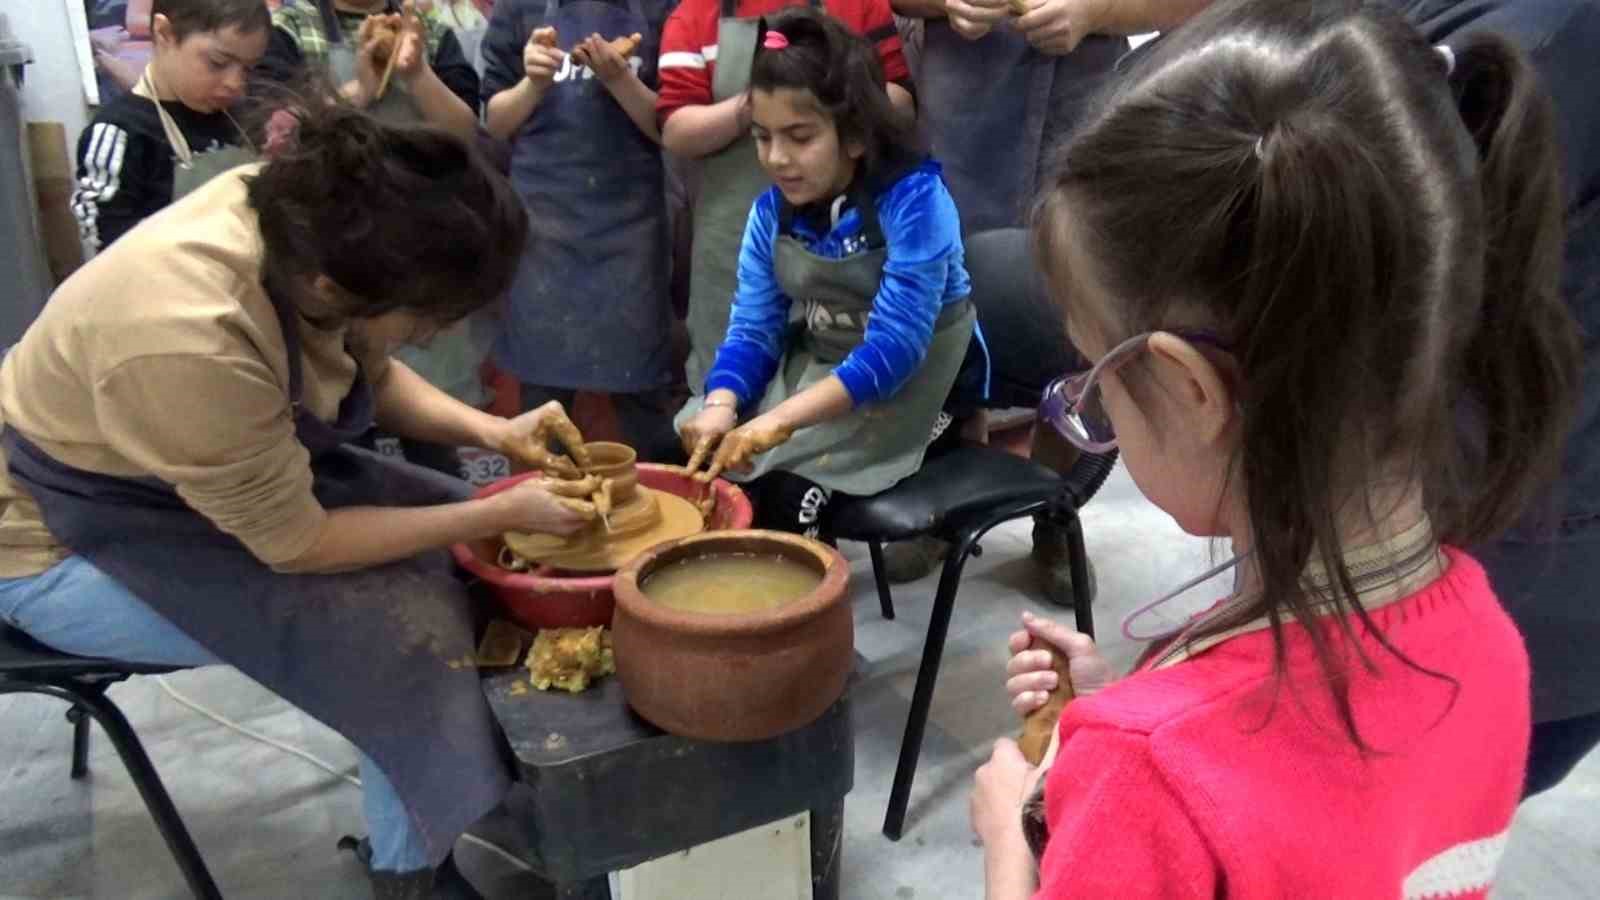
<point x="645" y="419"/>
<point x="1557" y="747"/>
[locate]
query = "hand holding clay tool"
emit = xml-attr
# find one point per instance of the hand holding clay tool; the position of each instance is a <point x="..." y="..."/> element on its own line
<point x="602" y="501"/>
<point x="398" y="29"/>
<point x="1040" y="725"/>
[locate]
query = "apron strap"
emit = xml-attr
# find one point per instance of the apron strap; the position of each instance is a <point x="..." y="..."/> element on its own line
<point x="289" y="324"/>
<point x="146" y="87"/>
<point x="870" y="228"/>
<point x="729" y="8"/>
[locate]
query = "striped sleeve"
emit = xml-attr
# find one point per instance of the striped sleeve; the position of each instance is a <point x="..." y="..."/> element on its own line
<point x="102" y="155"/>
<point x="688" y="60"/>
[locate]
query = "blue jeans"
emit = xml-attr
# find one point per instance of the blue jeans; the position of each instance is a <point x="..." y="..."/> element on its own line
<point x="75" y="608"/>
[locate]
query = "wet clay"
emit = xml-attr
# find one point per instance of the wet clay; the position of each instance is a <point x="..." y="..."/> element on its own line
<point x="1040" y="725"/>
<point x="731" y="584"/>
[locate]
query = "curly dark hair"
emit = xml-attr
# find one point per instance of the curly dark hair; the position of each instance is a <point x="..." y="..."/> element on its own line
<point x="841" y="70"/>
<point x="400" y="218"/>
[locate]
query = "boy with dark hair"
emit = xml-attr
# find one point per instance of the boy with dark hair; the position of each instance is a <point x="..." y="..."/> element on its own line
<point x="173" y="132"/>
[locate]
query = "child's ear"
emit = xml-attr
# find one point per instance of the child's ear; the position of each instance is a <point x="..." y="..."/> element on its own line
<point x="162" y="33"/>
<point x="1205" y="391"/>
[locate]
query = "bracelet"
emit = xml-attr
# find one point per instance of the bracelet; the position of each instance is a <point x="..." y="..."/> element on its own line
<point x="720" y="404"/>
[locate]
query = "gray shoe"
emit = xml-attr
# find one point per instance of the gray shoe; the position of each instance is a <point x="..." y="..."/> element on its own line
<point x="1050" y="551"/>
<point x="908" y="560"/>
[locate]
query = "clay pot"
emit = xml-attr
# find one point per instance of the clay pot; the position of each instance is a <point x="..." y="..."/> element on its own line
<point x="746" y="677"/>
<point x="617" y="462"/>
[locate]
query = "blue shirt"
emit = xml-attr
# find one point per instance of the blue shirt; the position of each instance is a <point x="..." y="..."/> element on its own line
<point x="924" y="272"/>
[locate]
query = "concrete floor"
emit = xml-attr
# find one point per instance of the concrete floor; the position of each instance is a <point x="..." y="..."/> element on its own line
<point x="267" y="822"/>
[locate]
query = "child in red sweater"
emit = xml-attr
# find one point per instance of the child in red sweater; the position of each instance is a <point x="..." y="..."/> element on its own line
<point x="1317" y="263"/>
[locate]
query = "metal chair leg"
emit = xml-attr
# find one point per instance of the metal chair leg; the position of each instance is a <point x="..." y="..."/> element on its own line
<point x="1078" y="564"/>
<point x="80" y="742"/>
<point x="885" y="599"/>
<point x="154" y="793"/>
<point x="922" y="697"/>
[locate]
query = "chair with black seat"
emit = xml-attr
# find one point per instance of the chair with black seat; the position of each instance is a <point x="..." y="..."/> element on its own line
<point x="961" y="495"/>
<point x="28" y="667"/>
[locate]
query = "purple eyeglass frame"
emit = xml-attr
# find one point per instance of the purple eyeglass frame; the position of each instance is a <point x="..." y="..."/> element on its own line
<point x="1063" y="397"/>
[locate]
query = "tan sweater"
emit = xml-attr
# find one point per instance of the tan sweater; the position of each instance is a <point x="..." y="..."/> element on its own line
<point x="163" y="357"/>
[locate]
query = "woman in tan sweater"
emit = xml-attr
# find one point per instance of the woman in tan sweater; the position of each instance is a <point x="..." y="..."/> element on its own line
<point x="178" y="487"/>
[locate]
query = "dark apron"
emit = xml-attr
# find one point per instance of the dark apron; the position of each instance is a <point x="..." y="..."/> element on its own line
<point x="730" y="181"/>
<point x="382" y="655"/>
<point x="874" y="446"/>
<point x="452" y="359"/>
<point x="994" y="108"/>
<point x="590" y="307"/>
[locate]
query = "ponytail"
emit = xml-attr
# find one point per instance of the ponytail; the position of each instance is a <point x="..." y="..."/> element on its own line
<point x="1521" y="368"/>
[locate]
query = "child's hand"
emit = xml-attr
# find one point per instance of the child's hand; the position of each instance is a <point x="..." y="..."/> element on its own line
<point x="972" y="19"/>
<point x="702" y="432"/>
<point x="1030" y="678"/>
<point x="369" y="73"/>
<point x="1057" y="26"/>
<point x="599" y="55"/>
<point x="742" y="445"/>
<point x="412" y="48"/>
<point x="999" y="790"/>
<point x="540" y="63"/>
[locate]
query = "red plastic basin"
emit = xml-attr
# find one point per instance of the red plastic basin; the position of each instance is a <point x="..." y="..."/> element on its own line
<point x="546" y="598"/>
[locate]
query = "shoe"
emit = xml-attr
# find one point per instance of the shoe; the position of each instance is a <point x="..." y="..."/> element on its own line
<point x="443" y="883"/>
<point x="1050" y="551"/>
<point x="908" y="560"/>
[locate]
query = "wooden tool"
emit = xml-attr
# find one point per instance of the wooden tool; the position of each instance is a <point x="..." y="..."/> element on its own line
<point x="407" y="18"/>
<point x="1040" y="725"/>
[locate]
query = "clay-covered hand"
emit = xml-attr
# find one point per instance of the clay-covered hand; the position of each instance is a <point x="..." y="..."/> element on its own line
<point x="575" y="488"/>
<point x="1030" y="676"/>
<point x="532" y="509"/>
<point x="541" y="61"/>
<point x="412" y="49"/>
<point x="1058" y="26"/>
<point x="703" y="431"/>
<point x="375" y="41"/>
<point x="598" y="54"/>
<point x="527" y="439"/>
<point x="739" y="448"/>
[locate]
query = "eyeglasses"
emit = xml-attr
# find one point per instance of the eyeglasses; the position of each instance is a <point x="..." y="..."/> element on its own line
<point x="1073" y="404"/>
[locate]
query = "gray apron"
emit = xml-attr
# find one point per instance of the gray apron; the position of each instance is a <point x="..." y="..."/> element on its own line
<point x="590" y="308"/>
<point x="731" y="179"/>
<point x="995" y="108"/>
<point x="874" y="446"/>
<point x="454" y="357"/>
<point x="189" y="169"/>
<point x="382" y="655"/>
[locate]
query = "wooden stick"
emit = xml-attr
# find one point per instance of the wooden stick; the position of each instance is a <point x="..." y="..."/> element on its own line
<point x="1040" y="725"/>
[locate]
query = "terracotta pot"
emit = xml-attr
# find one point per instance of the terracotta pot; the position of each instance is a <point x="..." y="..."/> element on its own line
<point x="746" y="677"/>
<point x="617" y="462"/>
<point x="545" y="598"/>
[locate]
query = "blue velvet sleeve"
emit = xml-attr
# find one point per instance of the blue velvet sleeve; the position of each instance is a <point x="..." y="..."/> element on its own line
<point x="923" y="231"/>
<point x="748" y="357"/>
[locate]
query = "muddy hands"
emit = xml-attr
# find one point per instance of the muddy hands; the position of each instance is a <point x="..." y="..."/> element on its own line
<point x="527" y="440"/>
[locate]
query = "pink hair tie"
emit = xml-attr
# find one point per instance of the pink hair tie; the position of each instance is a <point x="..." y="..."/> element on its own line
<point x="775" y="41"/>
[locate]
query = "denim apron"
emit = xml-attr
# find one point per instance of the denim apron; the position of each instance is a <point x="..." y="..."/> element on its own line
<point x="381" y="655"/>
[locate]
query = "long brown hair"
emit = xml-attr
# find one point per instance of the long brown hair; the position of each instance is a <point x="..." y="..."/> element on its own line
<point x="1377" y="236"/>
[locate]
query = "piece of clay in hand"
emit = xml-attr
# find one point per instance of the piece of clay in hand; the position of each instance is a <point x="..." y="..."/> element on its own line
<point x="1040" y="725"/>
<point x="545" y="37"/>
<point x="626" y="45"/>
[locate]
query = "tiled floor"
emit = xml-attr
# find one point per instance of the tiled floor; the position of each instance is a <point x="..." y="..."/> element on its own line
<point x="267" y="822"/>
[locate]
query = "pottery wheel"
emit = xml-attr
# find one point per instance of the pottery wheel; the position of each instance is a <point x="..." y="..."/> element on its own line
<point x="652" y="517"/>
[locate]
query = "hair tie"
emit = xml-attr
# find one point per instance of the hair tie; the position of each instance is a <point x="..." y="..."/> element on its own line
<point x="775" y="41"/>
<point x="1449" y="58"/>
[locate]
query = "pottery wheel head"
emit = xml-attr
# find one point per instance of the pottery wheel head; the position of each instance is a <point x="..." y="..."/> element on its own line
<point x="651" y="518"/>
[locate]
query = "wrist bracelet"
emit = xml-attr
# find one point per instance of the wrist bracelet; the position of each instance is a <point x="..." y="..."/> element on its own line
<point x="719" y="403"/>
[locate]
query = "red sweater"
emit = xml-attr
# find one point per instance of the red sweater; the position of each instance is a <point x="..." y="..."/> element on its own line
<point x="1209" y="779"/>
<point x="689" y="44"/>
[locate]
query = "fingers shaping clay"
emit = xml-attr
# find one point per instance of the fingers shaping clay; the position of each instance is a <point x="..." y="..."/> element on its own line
<point x="545" y="37"/>
<point x="1040" y="725"/>
<point x="626" y="45"/>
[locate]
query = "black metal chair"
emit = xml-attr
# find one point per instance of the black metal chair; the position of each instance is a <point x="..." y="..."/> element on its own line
<point x="962" y="495"/>
<point x="28" y="667"/>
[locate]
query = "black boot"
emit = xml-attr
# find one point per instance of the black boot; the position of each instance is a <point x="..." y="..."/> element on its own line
<point x="443" y="883"/>
<point x="1051" y="551"/>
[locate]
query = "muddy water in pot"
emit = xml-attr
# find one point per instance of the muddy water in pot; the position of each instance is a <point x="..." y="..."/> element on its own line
<point x="730" y="584"/>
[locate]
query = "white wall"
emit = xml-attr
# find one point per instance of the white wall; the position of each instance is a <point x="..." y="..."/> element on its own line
<point x="52" y="88"/>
